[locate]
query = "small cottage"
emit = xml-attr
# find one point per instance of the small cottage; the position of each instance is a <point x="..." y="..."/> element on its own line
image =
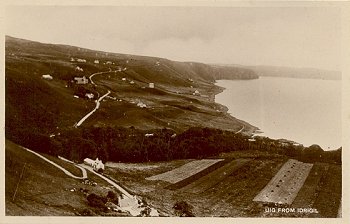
<point x="81" y="60"/>
<point x="48" y="77"/>
<point x="96" y="61"/>
<point x="97" y="164"/>
<point x="151" y="85"/>
<point x="81" y="80"/>
<point x="142" y="105"/>
<point x="79" y="69"/>
<point x="89" y="95"/>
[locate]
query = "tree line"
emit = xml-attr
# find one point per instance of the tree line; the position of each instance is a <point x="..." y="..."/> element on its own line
<point x="133" y="145"/>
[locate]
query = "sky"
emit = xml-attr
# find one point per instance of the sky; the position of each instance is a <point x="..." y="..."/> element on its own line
<point x="289" y="36"/>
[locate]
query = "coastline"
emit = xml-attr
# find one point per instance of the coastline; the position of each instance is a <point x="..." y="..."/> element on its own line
<point x="248" y="129"/>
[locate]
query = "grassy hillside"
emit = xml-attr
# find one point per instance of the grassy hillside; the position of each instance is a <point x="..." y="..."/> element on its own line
<point x="34" y="187"/>
<point x="48" y="106"/>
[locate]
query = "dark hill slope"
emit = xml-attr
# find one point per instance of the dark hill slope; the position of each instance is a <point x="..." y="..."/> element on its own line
<point x="37" y="105"/>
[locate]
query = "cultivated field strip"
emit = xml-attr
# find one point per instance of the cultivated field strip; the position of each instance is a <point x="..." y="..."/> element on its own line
<point x="213" y="178"/>
<point x="185" y="171"/>
<point x="308" y="192"/>
<point x="285" y="185"/>
<point x="329" y="194"/>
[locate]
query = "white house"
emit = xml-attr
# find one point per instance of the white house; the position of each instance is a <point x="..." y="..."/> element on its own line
<point x="142" y="105"/>
<point x="48" y="76"/>
<point x="72" y="59"/>
<point x="132" y="82"/>
<point x="124" y="79"/>
<point x="89" y="95"/>
<point x="79" y="69"/>
<point x="81" y="80"/>
<point x="108" y="63"/>
<point x="196" y="92"/>
<point x="96" y="61"/>
<point x="97" y="164"/>
<point x="81" y="60"/>
<point x="151" y="85"/>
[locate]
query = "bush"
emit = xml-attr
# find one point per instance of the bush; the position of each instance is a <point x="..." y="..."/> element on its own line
<point x="113" y="197"/>
<point x="97" y="201"/>
<point x="183" y="209"/>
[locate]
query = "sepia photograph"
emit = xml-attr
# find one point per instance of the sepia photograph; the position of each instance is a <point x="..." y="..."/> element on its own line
<point x="173" y="110"/>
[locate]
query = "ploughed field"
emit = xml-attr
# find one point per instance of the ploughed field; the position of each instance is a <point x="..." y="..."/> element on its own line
<point x="237" y="184"/>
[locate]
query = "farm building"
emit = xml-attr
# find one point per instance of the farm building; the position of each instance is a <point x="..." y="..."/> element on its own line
<point x="89" y="95"/>
<point x="124" y="79"/>
<point x="142" y="105"/>
<point x="72" y="59"/>
<point x="151" y="85"/>
<point x="97" y="164"/>
<point x="48" y="76"/>
<point x="196" y="93"/>
<point x="79" y="69"/>
<point x="132" y="82"/>
<point x="81" y="80"/>
<point x="96" y="61"/>
<point x="81" y="60"/>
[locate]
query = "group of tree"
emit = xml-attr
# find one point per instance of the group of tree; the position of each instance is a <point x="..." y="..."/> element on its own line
<point x="134" y="145"/>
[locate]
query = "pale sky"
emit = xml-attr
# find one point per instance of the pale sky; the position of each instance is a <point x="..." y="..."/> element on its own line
<point x="296" y="37"/>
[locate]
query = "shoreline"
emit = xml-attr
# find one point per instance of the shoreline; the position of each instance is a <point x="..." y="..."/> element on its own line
<point x="249" y="129"/>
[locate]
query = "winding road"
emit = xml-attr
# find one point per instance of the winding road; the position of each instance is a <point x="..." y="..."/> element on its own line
<point x="97" y="101"/>
<point x="130" y="201"/>
<point x="93" y="111"/>
<point x="240" y="130"/>
<point x="60" y="167"/>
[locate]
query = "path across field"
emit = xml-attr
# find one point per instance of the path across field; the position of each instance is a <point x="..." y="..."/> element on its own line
<point x="184" y="171"/>
<point x="285" y="185"/>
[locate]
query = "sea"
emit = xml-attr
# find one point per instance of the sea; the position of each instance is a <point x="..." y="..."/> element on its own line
<point x="307" y="111"/>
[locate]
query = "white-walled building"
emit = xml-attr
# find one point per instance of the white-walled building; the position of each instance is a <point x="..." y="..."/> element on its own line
<point x="97" y="164"/>
<point x="47" y="76"/>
